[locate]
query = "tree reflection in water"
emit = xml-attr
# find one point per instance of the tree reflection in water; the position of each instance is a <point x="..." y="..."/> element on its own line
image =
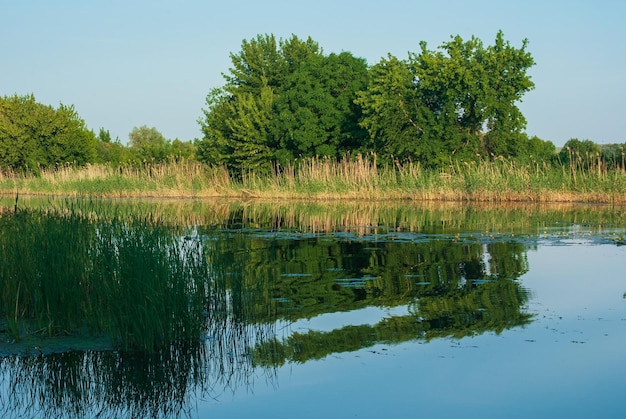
<point x="237" y="284"/>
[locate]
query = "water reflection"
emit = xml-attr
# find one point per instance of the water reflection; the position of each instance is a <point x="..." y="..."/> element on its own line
<point x="133" y="311"/>
<point x="109" y="384"/>
<point x="451" y="288"/>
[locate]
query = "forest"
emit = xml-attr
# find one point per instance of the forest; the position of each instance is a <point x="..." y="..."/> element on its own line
<point x="285" y="100"/>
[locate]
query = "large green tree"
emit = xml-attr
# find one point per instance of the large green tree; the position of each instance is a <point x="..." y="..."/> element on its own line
<point x="315" y="110"/>
<point x="459" y="101"/>
<point x="283" y="100"/>
<point x="33" y="135"/>
<point x="236" y="124"/>
<point x="398" y="121"/>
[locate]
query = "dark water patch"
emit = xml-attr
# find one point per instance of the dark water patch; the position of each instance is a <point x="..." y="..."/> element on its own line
<point x="31" y="346"/>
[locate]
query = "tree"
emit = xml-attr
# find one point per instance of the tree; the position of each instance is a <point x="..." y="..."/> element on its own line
<point x="613" y="156"/>
<point x="104" y="135"/>
<point x="33" y="135"/>
<point x="249" y="129"/>
<point x="258" y="64"/>
<point x="315" y="110"/>
<point x="113" y="151"/>
<point x="287" y="99"/>
<point x="539" y="150"/>
<point x="183" y="150"/>
<point x="236" y="123"/>
<point x="457" y="102"/>
<point x="397" y="121"/>
<point x="236" y="129"/>
<point x="149" y="144"/>
<point x="508" y="82"/>
<point x="450" y="82"/>
<point x="281" y="101"/>
<point x="476" y="89"/>
<point x="214" y="147"/>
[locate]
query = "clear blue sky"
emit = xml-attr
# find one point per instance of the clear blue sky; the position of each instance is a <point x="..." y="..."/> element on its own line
<point x="129" y="63"/>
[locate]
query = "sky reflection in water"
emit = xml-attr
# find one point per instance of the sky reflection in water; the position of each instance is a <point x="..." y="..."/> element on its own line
<point x="569" y="362"/>
<point x="439" y="320"/>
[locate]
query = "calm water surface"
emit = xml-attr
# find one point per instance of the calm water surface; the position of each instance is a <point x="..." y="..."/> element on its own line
<point x="373" y="311"/>
<point x="568" y="362"/>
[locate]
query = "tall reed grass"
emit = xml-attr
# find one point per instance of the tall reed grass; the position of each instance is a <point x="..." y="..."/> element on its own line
<point x="359" y="177"/>
<point x="329" y="216"/>
<point x="172" y="179"/>
<point x="136" y="282"/>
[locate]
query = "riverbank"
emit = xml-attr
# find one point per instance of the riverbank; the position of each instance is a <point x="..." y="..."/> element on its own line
<point x="499" y="180"/>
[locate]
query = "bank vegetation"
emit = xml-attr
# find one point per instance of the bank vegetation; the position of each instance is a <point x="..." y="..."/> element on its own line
<point x="359" y="177"/>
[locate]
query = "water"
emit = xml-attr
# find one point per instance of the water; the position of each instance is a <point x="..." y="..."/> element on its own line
<point x="403" y="311"/>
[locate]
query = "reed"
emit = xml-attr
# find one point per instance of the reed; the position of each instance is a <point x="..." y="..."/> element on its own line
<point x="327" y="216"/>
<point x="358" y="177"/>
<point x="172" y="179"/>
<point x="140" y="283"/>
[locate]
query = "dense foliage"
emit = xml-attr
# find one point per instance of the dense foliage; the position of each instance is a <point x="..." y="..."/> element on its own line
<point x="457" y="102"/>
<point x="33" y="135"/>
<point x="146" y="145"/>
<point x="287" y="99"/>
<point x="281" y="101"/>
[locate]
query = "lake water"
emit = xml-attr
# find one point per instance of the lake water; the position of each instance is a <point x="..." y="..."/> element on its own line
<point x="334" y="310"/>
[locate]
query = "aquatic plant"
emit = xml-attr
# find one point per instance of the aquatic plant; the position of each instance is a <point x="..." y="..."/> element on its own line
<point x="117" y="315"/>
<point x="141" y="283"/>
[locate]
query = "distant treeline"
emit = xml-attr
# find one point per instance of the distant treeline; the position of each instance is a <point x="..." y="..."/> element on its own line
<point x="34" y="136"/>
<point x="285" y="100"/>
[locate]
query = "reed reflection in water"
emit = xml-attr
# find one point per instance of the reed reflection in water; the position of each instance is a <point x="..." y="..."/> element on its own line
<point x="110" y="313"/>
<point x="115" y="317"/>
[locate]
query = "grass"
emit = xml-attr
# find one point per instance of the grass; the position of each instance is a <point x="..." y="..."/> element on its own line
<point x="80" y="278"/>
<point x="173" y="179"/>
<point x="497" y="180"/>
<point x="136" y="282"/>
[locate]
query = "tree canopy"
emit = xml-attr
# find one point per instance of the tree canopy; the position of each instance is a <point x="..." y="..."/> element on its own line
<point x="145" y="145"/>
<point x="455" y="102"/>
<point x="579" y="154"/>
<point x="287" y="99"/>
<point x="283" y="100"/>
<point x="149" y="144"/>
<point x="33" y="135"/>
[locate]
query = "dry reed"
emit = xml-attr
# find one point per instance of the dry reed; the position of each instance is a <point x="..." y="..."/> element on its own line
<point x="359" y="177"/>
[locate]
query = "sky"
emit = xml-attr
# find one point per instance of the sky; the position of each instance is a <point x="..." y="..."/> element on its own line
<point x="129" y="63"/>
